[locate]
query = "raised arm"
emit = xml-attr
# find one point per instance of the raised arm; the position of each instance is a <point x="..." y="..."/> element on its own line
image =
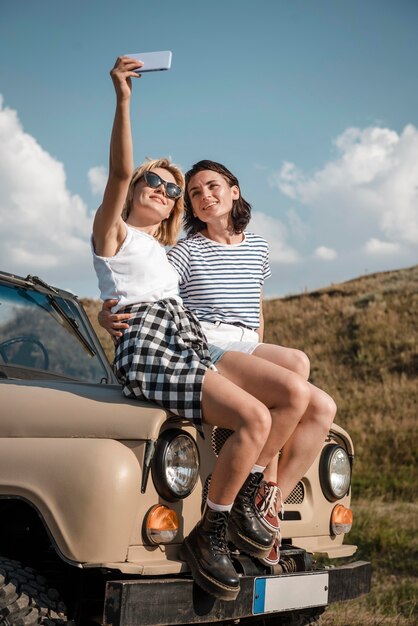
<point x="108" y="227"/>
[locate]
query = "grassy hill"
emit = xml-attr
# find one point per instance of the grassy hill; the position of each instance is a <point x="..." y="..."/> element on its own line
<point x="362" y="339"/>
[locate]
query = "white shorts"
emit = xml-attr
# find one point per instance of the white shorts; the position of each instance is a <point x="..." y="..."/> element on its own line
<point x="230" y="337"/>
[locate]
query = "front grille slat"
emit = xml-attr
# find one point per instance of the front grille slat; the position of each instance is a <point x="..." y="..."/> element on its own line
<point x="219" y="436"/>
<point x="297" y="496"/>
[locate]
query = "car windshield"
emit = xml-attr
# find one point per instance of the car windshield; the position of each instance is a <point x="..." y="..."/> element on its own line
<point x="45" y="335"/>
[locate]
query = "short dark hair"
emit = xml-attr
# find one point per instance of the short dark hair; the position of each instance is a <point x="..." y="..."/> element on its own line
<point x="241" y="209"/>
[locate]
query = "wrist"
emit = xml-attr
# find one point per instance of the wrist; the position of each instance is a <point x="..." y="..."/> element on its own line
<point x="123" y="98"/>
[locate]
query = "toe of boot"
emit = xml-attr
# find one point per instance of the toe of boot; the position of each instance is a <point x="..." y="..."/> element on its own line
<point x="256" y="544"/>
<point x="216" y="575"/>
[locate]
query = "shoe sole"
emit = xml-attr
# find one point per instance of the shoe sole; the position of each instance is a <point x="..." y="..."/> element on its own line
<point x="267" y="526"/>
<point x="268" y="562"/>
<point x="246" y="544"/>
<point x="204" y="580"/>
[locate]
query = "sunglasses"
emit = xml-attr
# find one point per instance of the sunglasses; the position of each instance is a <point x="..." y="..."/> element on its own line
<point x="153" y="180"/>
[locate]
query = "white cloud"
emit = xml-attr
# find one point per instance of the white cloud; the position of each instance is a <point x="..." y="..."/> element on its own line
<point x="298" y="229"/>
<point x="375" y="246"/>
<point x="288" y="179"/>
<point x="98" y="178"/>
<point x="370" y="190"/>
<point x="356" y="214"/>
<point x="44" y="228"/>
<point x="275" y="232"/>
<point x="324" y="253"/>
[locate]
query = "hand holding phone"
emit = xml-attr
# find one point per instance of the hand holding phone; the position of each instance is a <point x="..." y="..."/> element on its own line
<point x="153" y="61"/>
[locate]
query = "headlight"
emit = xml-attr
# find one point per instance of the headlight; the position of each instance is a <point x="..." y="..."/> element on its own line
<point x="175" y="466"/>
<point x="334" y="472"/>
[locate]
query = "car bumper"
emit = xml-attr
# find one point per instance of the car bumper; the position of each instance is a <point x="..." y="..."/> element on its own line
<point x="170" y="601"/>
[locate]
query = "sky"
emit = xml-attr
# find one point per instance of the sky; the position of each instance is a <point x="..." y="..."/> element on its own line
<point x="313" y="104"/>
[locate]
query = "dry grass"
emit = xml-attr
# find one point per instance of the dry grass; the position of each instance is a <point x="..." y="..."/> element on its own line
<point x="388" y="537"/>
<point x="362" y="339"/>
<point x="92" y="308"/>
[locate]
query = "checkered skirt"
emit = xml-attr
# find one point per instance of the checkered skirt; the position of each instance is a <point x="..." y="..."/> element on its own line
<point x="163" y="357"/>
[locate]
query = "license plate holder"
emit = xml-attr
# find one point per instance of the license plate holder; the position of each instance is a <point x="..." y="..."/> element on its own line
<point x="290" y="592"/>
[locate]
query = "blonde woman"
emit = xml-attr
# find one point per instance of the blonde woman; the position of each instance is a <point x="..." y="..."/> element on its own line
<point x="163" y="355"/>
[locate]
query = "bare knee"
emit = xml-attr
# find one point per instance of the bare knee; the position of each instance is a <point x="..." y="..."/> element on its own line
<point x="301" y="363"/>
<point x="299" y="395"/>
<point x="256" y="424"/>
<point x="324" y="410"/>
<point x="329" y="411"/>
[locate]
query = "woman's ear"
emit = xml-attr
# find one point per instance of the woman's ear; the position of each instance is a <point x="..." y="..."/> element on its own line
<point x="235" y="192"/>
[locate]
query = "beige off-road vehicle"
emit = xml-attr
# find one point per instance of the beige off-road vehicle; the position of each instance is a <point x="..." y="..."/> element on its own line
<point x="97" y="493"/>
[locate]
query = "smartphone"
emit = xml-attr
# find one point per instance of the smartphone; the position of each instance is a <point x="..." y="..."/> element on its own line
<point x="153" y="61"/>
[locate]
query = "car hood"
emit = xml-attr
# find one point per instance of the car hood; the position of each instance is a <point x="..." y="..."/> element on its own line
<point x="71" y="409"/>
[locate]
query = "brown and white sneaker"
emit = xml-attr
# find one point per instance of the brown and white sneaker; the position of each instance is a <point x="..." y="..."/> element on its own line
<point x="273" y="556"/>
<point x="267" y="501"/>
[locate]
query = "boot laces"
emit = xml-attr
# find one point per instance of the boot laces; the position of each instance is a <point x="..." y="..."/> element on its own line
<point x="218" y="536"/>
<point x="248" y="495"/>
<point x="272" y="493"/>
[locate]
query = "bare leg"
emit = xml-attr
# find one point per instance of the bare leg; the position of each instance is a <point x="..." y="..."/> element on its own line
<point x="293" y="360"/>
<point x="205" y="548"/>
<point x="305" y="442"/>
<point x="226" y="405"/>
<point x="284" y="393"/>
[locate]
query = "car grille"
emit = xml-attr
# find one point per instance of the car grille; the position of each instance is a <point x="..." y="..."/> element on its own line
<point x="297" y="496"/>
<point x="219" y="436"/>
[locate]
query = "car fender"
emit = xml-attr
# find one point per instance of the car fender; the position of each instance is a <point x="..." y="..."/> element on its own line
<point x="85" y="490"/>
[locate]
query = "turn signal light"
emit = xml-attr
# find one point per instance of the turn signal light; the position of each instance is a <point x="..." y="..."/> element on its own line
<point x="161" y="524"/>
<point x="341" y="520"/>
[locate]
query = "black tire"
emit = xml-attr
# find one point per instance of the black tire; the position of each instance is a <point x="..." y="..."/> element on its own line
<point x="26" y="599"/>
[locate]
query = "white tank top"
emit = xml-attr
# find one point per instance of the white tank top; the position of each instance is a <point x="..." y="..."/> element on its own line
<point x="138" y="272"/>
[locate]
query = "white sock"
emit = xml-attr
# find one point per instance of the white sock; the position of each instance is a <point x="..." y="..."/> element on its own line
<point x="221" y="508"/>
<point x="257" y="469"/>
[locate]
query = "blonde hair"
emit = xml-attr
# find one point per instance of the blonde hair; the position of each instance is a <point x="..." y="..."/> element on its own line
<point x="169" y="229"/>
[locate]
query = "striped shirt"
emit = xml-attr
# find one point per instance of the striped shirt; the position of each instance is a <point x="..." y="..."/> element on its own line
<point x="221" y="282"/>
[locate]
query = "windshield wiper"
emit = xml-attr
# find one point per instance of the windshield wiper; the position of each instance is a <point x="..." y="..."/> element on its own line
<point x="70" y="321"/>
<point x="73" y="325"/>
<point x="35" y="280"/>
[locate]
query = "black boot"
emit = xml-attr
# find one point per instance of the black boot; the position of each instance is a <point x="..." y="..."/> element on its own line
<point x="245" y="530"/>
<point x="206" y="553"/>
